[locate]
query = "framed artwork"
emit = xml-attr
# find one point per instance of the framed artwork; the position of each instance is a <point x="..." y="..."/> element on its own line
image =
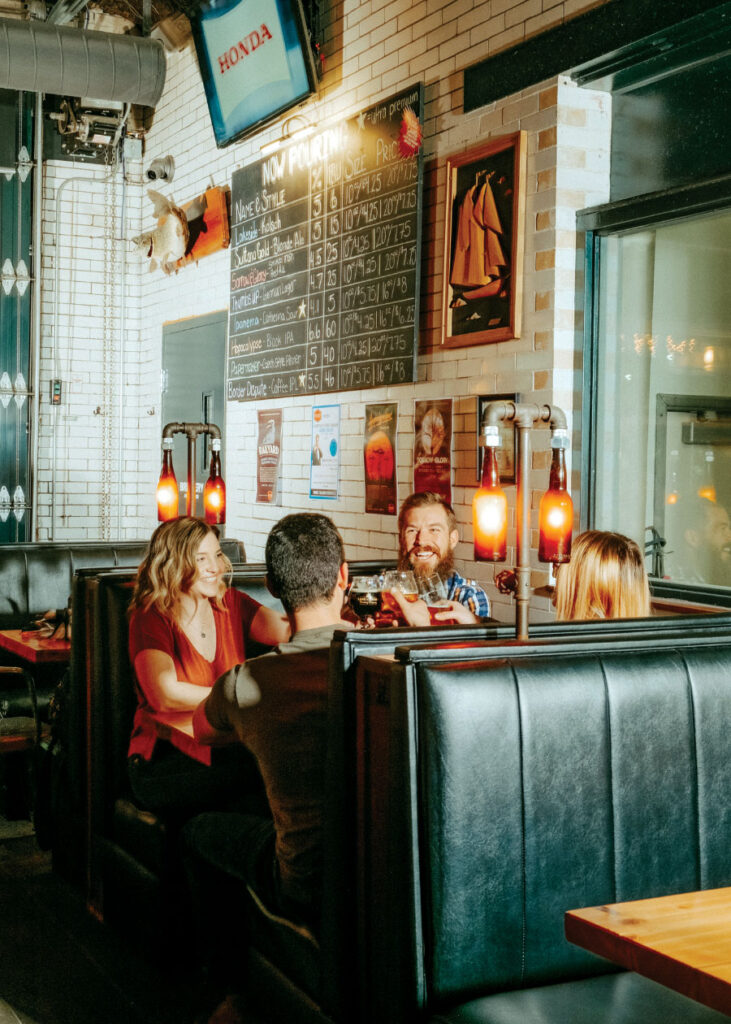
<point x="483" y="243"/>
<point x="507" y="452"/>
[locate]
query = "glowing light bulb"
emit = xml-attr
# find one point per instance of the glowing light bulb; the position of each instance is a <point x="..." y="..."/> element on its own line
<point x="490" y="513"/>
<point x="167" y="486"/>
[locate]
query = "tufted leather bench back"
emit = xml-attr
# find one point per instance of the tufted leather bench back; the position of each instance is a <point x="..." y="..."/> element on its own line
<point x="366" y="736"/>
<point x="560" y="780"/>
<point x="36" y="577"/>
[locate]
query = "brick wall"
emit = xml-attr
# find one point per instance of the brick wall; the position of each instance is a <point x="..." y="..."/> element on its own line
<point x="372" y="50"/>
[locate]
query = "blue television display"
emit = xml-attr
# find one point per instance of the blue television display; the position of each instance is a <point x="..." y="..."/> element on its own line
<point x="256" y="62"/>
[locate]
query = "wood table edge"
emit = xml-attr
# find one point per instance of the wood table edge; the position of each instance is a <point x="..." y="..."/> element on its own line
<point x="689" y="981"/>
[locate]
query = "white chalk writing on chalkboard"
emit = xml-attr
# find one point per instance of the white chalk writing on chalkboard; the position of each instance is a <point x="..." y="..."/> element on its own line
<point x="325" y="254"/>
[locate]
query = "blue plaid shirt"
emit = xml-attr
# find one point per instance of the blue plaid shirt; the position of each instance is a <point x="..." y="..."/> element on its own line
<point x="469" y="593"/>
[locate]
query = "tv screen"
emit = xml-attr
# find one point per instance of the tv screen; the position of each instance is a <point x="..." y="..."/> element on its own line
<point x="256" y="62"/>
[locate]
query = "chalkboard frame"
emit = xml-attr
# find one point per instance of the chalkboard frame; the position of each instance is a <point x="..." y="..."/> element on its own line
<point x="375" y="328"/>
<point x="501" y="163"/>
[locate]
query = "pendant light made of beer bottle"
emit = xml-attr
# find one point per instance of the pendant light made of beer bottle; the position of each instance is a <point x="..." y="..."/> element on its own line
<point x="556" y="511"/>
<point x="167" y="485"/>
<point x="214" y="492"/>
<point x="490" y="506"/>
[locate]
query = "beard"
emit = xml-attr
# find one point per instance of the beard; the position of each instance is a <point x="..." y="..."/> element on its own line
<point x="443" y="568"/>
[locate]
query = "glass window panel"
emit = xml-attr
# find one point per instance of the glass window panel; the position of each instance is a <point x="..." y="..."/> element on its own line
<point x="663" y="442"/>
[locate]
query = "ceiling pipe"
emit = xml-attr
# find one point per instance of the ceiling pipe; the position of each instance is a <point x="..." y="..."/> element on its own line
<point x="38" y="57"/>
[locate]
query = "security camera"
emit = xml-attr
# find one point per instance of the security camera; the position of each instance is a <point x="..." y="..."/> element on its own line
<point x="162" y="169"/>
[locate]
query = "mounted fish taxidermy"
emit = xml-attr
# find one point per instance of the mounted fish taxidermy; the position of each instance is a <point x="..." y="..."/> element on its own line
<point x="167" y="243"/>
<point x="187" y="233"/>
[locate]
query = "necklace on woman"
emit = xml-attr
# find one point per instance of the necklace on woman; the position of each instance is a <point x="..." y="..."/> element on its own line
<point x="203" y="632"/>
<point x="195" y="627"/>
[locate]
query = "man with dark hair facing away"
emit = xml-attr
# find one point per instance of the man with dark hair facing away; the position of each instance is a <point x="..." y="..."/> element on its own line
<point x="428" y="535"/>
<point x="277" y="706"/>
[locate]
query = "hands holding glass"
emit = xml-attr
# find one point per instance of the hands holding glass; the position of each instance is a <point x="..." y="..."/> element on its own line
<point x="378" y="599"/>
<point x="399" y="596"/>
<point x="433" y="591"/>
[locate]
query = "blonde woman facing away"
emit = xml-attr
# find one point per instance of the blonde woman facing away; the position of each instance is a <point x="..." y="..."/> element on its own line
<point x="187" y="627"/>
<point x="605" y="579"/>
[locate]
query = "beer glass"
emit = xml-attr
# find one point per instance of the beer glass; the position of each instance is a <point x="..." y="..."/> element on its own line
<point x="402" y="580"/>
<point x="365" y="596"/>
<point x="433" y="590"/>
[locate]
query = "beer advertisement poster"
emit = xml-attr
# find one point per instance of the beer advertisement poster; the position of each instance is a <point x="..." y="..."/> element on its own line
<point x="268" y="454"/>
<point x="433" y="446"/>
<point x="379" y="458"/>
<point x="325" y="451"/>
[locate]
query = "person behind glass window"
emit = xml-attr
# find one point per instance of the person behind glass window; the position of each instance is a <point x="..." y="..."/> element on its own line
<point x="699" y="542"/>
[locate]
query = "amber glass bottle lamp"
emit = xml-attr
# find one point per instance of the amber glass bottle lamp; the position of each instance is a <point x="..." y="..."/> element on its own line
<point x="214" y="492"/>
<point x="167" y="485"/>
<point x="556" y="513"/>
<point x="490" y="505"/>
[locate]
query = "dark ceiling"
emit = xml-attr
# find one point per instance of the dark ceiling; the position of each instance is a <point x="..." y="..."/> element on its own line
<point x="156" y="11"/>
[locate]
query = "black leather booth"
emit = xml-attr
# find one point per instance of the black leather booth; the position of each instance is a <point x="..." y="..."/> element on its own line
<point x="519" y="783"/>
<point x="367" y="927"/>
<point x="123" y="856"/>
<point x="36" y="577"/>
<point x="438" y="806"/>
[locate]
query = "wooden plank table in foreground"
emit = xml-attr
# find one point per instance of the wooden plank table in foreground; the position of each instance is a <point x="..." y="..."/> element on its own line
<point x="682" y="941"/>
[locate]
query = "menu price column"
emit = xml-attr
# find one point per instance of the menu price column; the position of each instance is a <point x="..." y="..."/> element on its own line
<point x="316" y="277"/>
<point x="333" y="253"/>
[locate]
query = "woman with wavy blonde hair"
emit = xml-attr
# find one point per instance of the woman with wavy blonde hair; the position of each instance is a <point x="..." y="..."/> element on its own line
<point x="605" y="579"/>
<point x="187" y="627"/>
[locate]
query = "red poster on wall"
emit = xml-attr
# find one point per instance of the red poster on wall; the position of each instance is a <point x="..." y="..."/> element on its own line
<point x="433" y="446"/>
<point x="268" y="453"/>
<point x="379" y="458"/>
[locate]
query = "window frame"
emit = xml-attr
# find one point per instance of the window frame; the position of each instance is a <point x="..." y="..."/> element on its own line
<point x="651" y="210"/>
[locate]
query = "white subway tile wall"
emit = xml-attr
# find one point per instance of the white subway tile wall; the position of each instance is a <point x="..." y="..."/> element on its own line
<point x="103" y="312"/>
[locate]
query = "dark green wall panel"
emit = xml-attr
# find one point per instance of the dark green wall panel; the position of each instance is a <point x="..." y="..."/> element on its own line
<point x="15" y="316"/>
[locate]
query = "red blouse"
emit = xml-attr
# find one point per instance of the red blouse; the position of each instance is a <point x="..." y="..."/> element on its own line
<point x="151" y="630"/>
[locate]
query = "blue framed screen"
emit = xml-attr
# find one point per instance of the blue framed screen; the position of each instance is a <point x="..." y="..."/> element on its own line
<point x="256" y="62"/>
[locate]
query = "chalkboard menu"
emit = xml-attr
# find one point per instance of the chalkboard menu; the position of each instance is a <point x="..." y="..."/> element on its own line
<point x="325" y="253"/>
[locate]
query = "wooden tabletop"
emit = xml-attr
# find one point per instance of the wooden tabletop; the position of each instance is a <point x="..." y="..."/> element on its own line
<point x="33" y="648"/>
<point x="682" y="941"/>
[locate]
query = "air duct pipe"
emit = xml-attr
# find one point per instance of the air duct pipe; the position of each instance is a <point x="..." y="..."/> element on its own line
<point x="39" y="57"/>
